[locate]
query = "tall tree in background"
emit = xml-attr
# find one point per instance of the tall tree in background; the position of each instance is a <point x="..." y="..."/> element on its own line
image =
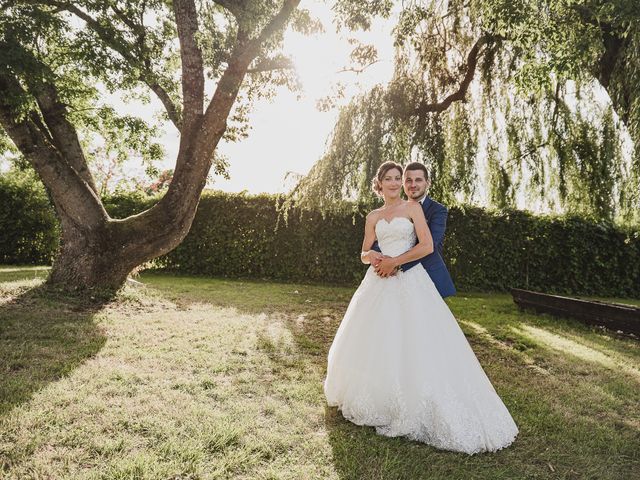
<point x="57" y="56"/>
<point x="502" y="98"/>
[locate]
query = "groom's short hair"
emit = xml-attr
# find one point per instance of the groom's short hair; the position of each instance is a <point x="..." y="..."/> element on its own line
<point x="417" y="166"/>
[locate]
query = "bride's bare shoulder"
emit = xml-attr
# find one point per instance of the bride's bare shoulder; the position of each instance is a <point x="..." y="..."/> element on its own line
<point x="374" y="214"/>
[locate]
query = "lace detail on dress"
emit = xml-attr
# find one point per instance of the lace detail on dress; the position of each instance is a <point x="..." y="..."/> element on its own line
<point x="395" y="236"/>
<point x="444" y="422"/>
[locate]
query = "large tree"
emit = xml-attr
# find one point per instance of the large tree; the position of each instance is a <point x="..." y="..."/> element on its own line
<point x="57" y="58"/>
<point x="502" y="96"/>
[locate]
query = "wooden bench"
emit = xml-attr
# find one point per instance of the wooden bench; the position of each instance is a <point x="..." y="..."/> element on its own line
<point x="614" y="316"/>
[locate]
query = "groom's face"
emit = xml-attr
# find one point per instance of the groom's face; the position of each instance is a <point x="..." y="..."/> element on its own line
<point x="415" y="185"/>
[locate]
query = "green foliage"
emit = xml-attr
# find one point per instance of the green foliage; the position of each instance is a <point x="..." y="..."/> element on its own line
<point x="550" y="120"/>
<point x="364" y="128"/>
<point x="358" y="14"/>
<point x="130" y="50"/>
<point x="499" y="250"/>
<point x="29" y="232"/>
<point x="123" y="204"/>
<point x="242" y="236"/>
<point x="456" y="172"/>
<point x="245" y="236"/>
<point x="43" y="46"/>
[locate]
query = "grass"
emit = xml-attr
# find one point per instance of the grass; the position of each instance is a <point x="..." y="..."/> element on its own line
<point x="193" y="378"/>
<point x="627" y="301"/>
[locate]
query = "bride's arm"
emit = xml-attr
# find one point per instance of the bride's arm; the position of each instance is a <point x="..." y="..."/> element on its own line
<point x="367" y="255"/>
<point x="425" y="242"/>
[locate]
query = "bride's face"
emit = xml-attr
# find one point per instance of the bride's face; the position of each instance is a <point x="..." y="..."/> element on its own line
<point x="391" y="183"/>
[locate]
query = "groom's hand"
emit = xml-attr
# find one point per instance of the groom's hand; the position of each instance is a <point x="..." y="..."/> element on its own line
<point x="386" y="267"/>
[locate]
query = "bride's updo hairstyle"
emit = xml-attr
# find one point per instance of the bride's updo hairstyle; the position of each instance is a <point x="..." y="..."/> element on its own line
<point x="376" y="183"/>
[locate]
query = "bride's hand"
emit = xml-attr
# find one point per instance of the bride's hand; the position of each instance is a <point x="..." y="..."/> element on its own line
<point x="386" y="267"/>
<point x="374" y="257"/>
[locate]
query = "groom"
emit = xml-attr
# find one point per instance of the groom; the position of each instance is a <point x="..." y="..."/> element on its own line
<point x="416" y="182"/>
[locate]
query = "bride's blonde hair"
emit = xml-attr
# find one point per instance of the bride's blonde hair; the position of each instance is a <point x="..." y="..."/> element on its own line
<point x="376" y="184"/>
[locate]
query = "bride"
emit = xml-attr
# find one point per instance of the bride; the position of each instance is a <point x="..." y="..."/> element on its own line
<point x="399" y="361"/>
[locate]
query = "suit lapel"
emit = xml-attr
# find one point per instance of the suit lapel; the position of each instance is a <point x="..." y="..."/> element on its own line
<point x="426" y="203"/>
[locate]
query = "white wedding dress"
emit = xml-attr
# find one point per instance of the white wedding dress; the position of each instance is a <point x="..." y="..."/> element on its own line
<point x="400" y="362"/>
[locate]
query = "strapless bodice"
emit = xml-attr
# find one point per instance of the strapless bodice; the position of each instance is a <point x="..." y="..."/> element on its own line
<point x="396" y="236"/>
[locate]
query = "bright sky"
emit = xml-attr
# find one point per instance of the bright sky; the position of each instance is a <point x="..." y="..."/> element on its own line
<point x="289" y="134"/>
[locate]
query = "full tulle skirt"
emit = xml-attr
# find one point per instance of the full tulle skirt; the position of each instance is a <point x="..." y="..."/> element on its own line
<point x="400" y="362"/>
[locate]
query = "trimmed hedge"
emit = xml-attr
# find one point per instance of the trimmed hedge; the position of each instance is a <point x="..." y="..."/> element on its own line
<point x="237" y="235"/>
<point x="243" y="236"/>
<point x="495" y="251"/>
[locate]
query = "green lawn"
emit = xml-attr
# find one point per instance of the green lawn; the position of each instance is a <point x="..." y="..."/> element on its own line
<point x="193" y="378"/>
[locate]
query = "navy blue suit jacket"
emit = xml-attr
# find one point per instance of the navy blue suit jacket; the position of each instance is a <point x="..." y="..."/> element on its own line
<point x="436" y="215"/>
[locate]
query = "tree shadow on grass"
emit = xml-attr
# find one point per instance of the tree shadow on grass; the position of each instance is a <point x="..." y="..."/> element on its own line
<point x="571" y="408"/>
<point x="43" y="337"/>
<point x="573" y="423"/>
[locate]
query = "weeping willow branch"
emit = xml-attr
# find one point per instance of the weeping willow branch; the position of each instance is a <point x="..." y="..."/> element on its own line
<point x="517" y="122"/>
<point x="460" y="94"/>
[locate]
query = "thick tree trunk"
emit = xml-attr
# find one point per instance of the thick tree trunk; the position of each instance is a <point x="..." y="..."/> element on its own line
<point x="90" y="259"/>
<point x="83" y="263"/>
<point x="100" y="257"/>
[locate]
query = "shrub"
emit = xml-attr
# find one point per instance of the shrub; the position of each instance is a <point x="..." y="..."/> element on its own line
<point x="28" y="225"/>
<point x="239" y="235"/>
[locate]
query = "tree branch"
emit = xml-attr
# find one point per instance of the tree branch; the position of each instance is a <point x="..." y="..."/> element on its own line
<point x="125" y="49"/>
<point x="276" y="23"/>
<point x="611" y="61"/>
<point x="71" y="194"/>
<point x="236" y="7"/>
<point x="196" y="152"/>
<point x="269" y="65"/>
<point x="460" y="94"/>
<point x="170" y="219"/>
<point x="138" y="29"/>
<point x="243" y="54"/>
<point x="56" y="128"/>
<point x="192" y="64"/>
<point x="172" y="110"/>
<point x="64" y="134"/>
<point x="358" y="70"/>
